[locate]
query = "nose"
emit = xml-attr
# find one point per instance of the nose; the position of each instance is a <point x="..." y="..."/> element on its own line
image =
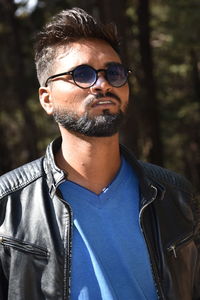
<point x="101" y="85"/>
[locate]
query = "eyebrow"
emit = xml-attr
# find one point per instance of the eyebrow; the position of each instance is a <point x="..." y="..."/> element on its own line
<point x="106" y="65"/>
<point x="111" y="62"/>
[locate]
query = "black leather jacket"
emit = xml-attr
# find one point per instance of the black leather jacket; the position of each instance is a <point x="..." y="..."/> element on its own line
<point x="36" y="226"/>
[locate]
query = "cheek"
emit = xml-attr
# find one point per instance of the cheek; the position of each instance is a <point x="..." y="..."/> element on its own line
<point x="124" y="95"/>
<point x="69" y="99"/>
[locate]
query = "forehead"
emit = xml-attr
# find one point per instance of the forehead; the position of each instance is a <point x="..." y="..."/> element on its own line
<point x="96" y="53"/>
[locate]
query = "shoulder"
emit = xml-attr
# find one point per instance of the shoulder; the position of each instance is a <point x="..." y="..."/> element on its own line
<point x="156" y="174"/>
<point x="20" y="177"/>
<point x="166" y="177"/>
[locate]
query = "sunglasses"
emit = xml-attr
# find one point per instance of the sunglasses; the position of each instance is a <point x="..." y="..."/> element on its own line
<point x="85" y="76"/>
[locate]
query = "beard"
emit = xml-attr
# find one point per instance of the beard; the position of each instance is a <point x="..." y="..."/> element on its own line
<point x="104" y="125"/>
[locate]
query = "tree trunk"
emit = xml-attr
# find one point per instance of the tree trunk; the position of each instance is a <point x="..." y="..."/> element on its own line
<point x="195" y="74"/>
<point x="150" y="115"/>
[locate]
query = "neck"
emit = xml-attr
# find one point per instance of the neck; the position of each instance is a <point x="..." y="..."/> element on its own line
<point x="89" y="161"/>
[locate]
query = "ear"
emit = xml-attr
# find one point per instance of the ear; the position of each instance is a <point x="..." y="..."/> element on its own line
<point x="45" y="99"/>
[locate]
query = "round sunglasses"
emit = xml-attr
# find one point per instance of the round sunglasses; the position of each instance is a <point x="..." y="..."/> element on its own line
<point x="85" y="76"/>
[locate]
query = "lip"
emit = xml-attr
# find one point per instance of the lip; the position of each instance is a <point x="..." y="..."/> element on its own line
<point x="103" y="102"/>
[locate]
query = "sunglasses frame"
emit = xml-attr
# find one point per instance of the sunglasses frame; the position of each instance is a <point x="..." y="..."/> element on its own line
<point x="128" y="72"/>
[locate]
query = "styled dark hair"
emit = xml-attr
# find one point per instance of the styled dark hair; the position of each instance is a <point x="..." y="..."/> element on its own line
<point x="68" y="26"/>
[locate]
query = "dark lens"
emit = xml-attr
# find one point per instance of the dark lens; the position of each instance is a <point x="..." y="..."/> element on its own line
<point x="116" y="74"/>
<point x="84" y="76"/>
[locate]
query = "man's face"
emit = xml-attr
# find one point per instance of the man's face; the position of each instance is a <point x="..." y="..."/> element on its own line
<point x="95" y="111"/>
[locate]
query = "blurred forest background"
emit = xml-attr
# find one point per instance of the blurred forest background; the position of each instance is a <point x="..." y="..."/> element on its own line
<point x="160" y="41"/>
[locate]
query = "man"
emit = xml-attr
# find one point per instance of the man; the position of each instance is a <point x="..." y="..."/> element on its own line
<point x="88" y="221"/>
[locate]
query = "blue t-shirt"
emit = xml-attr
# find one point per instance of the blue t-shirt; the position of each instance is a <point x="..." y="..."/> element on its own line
<point x="110" y="260"/>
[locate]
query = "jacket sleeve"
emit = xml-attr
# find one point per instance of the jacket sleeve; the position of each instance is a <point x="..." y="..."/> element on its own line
<point x="197" y="278"/>
<point x="197" y="241"/>
<point x="3" y="259"/>
<point x="3" y="283"/>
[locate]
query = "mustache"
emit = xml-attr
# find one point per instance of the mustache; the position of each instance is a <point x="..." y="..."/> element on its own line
<point x="102" y="96"/>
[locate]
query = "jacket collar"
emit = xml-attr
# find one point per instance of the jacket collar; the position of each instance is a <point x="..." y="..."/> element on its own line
<point x="54" y="174"/>
<point x="150" y="190"/>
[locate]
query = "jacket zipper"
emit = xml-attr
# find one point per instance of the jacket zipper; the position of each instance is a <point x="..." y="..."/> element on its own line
<point x="176" y="245"/>
<point x="23" y="246"/>
<point x="159" y="291"/>
<point x="68" y="256"/>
